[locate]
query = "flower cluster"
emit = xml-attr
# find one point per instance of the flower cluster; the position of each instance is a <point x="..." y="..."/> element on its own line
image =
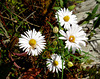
<point x="74" y="36"/>
<point x="33" y="42"/>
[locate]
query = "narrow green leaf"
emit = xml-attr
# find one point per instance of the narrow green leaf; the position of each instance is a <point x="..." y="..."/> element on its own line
<point x="56" y="8"/>
<point x="85" y="22"/>
<point x="61" y="3"/>
<point x="68" y="70"/>
<point x="89" y="16"/>
<point x="50" y="24"/>
<point x="6" y="9"/>
<point x="59" y="22"/>
<point x="96" y="23"/>
<point x="88" y="53"/>
<point x="47" y="64"/>
<point x="95" y="9"/>
<point x="76" y="57"/>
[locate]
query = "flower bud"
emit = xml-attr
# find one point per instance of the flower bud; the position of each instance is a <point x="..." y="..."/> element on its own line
<point x="54" y="43"/>
<point x="55" y="29"/>
<point x="70" y="64"/>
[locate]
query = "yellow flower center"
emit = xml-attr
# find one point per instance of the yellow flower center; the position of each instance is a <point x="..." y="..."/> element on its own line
<point x="32" y="42"/>
<point x="55" y="63"/>
<point x="72" y="38"/>
<point x="66" y="18"/>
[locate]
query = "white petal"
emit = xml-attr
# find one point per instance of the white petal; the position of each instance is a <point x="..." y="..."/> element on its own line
<point x="63" y="38"/>
<point x="53" y="68"/>
<point x="56" y="70"/>
<point x="63" y="33"/>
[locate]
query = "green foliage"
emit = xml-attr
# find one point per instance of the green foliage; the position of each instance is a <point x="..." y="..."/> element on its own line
<point x="96" y="23"/>
<point x="71" y="7"/>
<point x="93" y="14"/>
<point x="61" y="3"/>
<point x="93" y="73"/>
<point x="95" y="9"/>
<point x="56" y="8"/>
<point x="79" y="1"/>
<point x="75" y="57"/>
<point x="95" y="17"/>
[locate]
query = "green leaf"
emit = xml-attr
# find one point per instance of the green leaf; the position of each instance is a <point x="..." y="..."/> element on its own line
<point x="50" y="24"/>
<point x="50" y="48"/>
<point x="56" y="8"/>
<point x="88" y="53"/>
<point x="76" y="57"/>
<point x="6" y="9"/>
<point x="47" y="64"/>
<point x="72" y="0"/>
<point x="71" y="7"/>
<point x="93" y="14"/>
<point x="61" y="3"/>
<point x="68" y="70"/>
<point x="58" y="22"/>
<point x="95" y="9"/>
<point x="89" y="16"/>
<point x="96" y="23"/>
<point x="79" y="1"/>
<point x="85" y="22"/>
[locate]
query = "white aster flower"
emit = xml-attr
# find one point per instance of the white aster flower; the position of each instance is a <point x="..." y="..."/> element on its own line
<point x="66" y="18"/>
<point x="55" y="63"/>
<point x="32" y="42"/>
<point x="74" y="37"/>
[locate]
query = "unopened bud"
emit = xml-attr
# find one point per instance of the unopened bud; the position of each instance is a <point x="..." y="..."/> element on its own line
<point x="55" y="29"/>
<point x="55" y="43"/>
<point x="70" y="64"/>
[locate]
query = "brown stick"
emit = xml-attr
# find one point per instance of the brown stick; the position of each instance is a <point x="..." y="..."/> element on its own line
<point x="20" y="54"/>
<point x="13" y="60"/>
